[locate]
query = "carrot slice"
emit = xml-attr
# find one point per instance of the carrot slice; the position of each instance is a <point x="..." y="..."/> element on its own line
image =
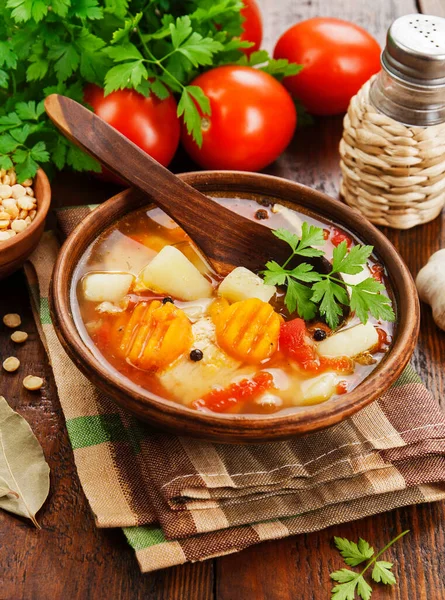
<point x="248" y="330"/>
<point x="156" y="335"/>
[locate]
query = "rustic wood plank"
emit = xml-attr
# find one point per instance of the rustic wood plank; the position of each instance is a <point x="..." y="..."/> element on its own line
<point x="432" y="7"/>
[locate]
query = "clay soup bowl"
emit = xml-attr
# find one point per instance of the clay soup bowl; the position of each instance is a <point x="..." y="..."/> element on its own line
<point x="171" y="416"/>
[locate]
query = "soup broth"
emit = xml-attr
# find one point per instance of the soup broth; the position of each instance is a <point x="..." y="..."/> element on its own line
<point x="147" y="302"/>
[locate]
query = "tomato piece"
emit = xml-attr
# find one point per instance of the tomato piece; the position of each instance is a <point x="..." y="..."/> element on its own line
<point x="338" y="57"/>
<point x="377" y="271"/>
<point x="150" y="123"/>
<point x="295" y="343"/>
<point x="252" y="119"/>
<point x="342" y="387"/>
<point x="326" y="234"/>
<point x="221" y="400"/>
<point x="338" y="237"/>
<point x="384" y="340"/>
<point x="252" y="26"/>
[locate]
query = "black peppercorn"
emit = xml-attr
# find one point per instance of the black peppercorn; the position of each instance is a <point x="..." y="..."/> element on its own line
<point x="196" y="355"/>
<point x="264" y="202"/>
<point x="319" y="335"/>
<point x="261" y="214"/>
<point x="167" y="299"/>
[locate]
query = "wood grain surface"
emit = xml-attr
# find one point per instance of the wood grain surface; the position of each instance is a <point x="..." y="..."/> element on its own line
<point x="69" y="559"/>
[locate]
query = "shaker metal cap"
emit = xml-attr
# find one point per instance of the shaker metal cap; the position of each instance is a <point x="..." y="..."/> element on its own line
<point x="415" y="50"/>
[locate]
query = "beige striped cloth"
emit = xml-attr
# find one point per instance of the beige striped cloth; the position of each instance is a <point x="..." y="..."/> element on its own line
<point x="180" y="500"/>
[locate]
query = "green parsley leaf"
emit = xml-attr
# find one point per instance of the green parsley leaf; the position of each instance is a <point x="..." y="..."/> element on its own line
<point x="192" y="118"/>
<point x="305" y="272"/>
<point x="287" y="236"/>
<point x="350" y="262"/>
<point x="299" y="298"/>
<point x="80" y="161"/>
<point x="8" y="57"/>
<point x="159" y="89"/>
<point x="86" y="9"/>
<point x="26" y="169"/>
<point x="364" y="590"/>
<point x="366" y="297"/>
<point x="66" y="58"/>
<point x="5" y="162"/>
<point x="346" y="590"/>
<point x="353" y="553"/>
<point x="29" y="111"/>
<point x="7" y="143"/>
<point x="129" y="74"/>
<point x="274" y="274"/>
<point x="382" y="572"/>
<point x="326" y="293"/>
<point x="39" y="152"/>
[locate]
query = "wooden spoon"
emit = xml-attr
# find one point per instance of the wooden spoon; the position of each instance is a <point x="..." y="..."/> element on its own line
<point x="226" y="238"/>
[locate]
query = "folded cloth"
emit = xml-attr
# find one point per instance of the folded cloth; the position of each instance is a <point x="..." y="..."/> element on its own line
<point x="181" y="500"/>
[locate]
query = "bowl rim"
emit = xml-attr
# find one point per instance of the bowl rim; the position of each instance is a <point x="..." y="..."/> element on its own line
<point x="171" y="415"/>
<point x="43" y="205"/>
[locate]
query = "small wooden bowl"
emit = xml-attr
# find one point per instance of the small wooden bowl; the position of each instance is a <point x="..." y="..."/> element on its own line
<point x="15" y="251"/>
<point x="171" y="416"/>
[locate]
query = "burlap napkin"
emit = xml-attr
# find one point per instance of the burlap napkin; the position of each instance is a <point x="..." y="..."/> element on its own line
<point x="182" y="500"/>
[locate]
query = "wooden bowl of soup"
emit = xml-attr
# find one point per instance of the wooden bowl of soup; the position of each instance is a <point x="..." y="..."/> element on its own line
<point x="15" y="251"/>
<point x="143" y="316"/>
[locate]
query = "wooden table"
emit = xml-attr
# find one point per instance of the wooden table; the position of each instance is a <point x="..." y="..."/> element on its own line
<point x="69" y="559"/>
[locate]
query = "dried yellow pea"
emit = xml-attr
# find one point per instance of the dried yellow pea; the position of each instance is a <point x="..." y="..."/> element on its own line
<point x="11" y="364"/>
<point x="12" y="320"/>
<point x="19" y="337"/>
<point x="32" y="382"/>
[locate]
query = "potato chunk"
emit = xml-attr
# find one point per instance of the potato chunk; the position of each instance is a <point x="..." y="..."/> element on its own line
<point x="170" y="272"/>
<point x="242" y="284"/>
<point x="349" y="342"/>
<point x="106" y="287"/>
<point x="319" y="389"/>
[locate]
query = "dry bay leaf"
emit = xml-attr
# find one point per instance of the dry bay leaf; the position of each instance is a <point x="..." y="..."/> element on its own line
<point x="23" y="468"/>
<point x="5" y="490"/>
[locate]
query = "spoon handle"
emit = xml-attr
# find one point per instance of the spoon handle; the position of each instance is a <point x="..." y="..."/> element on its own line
<point x="226" y="238"/>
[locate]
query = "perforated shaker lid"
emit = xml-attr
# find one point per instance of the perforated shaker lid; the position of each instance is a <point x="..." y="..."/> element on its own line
<point x="415" y="50"/>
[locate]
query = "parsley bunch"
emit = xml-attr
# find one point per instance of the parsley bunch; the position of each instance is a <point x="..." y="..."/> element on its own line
<point x="309" y="292"/>
<point x="152" y="46"/>
<point x="350" y="582"/>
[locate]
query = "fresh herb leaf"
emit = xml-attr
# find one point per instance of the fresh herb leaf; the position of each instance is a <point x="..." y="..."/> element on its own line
<point x="353" y="553"/>
<point x="367" y="297"/>
<point x="350" y="262"/>
<point x="382" y="573"/>
<point x="350" y="583"/>
<point x="326" y="292"/>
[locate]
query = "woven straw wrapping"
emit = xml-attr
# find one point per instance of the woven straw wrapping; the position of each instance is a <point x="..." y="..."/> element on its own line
<point x="394" y="174"/>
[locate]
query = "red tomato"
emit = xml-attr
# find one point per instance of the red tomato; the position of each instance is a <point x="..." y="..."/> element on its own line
<point x="252" y="26"/>
<point x="293" y="342"/>
<point x="252" y="119"/>
<point x="338" y="58"/>
<point x="220" y="400"/>
<point x="338" y="237"/>
<point x="150" y="123"/>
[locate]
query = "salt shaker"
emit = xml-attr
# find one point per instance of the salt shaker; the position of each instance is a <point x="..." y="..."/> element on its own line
<point x="393" y="145"/>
